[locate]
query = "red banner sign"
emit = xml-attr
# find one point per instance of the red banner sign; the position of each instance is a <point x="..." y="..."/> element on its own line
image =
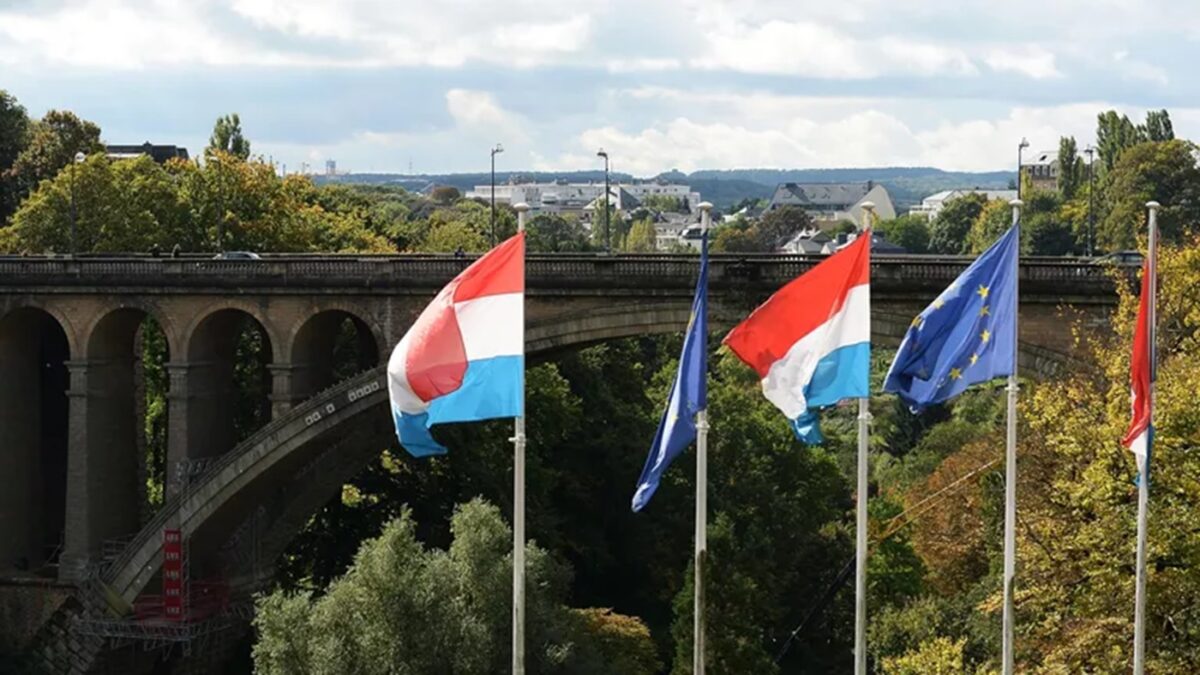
<point x="172" y="575"/>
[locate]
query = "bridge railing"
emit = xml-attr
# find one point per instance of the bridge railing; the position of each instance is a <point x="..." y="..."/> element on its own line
<point x="361" y="271"/>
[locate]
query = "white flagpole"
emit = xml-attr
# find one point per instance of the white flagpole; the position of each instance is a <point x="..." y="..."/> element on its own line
<point x="1139" y="614"/>
<point x="518" y="614"/>
<point x="860" y="562"/>
<point x="701" y="508"/>
<point x="1010" y="463"/>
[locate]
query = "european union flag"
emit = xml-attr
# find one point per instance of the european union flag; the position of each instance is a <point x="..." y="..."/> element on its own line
<point x="689" y="393"/>
<point x="966" y="335"/>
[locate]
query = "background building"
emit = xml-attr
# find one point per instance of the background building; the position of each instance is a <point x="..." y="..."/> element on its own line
<point x="932" y="205"/>
<point x="830" y="203"/>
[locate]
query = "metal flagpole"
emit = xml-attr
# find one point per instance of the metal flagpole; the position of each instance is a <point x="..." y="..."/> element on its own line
<point x="518" y="639"/>
<point x="1139" y="614"/>
<point x="701" y="508"/>
<point x="1010" y="463"/>
<point x="860" y="562"/>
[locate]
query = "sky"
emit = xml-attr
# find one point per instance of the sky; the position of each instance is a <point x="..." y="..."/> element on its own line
<point x="431" y="86"/>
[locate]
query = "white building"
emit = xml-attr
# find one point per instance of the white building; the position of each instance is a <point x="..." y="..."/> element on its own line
<point x="932" y="205"/>
<point x="563" y="197"/>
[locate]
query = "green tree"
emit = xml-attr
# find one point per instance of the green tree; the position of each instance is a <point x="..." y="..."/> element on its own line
<point x="137" y="205"/>
<point x="1165" y="172"/>
<point x="53" y="143"/>
<point x="554" y="233"/>
<point x="776" y="226"/>
<point x="1158" y="126"/>
<point x="445" y="194"/>
<point x="14" y="136"/>
<point x="939" y="656"/>
<point x="1071" y="169"/>
<point x="403" y="608"/>
<point x="948" y="231"/>
<point x="1078" y="496"/>
<point x="227" y="137"/>
<point x="642" y="237"/>
<point x="910" y="231"/>
<point x="758" y="564"/>
<point x="1114" y="134"/>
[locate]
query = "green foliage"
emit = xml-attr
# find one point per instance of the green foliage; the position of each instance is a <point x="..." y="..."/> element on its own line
<point x="664" y="203"/>
<point x="138" y="205"/>
<point x="227" y="138"/>
<point x="1070" y="168"/>
<point x="948" y="232"/>
<point x="1114" y="134"/>
<point x="774" y="537"/>
<point x="53" y="143"/>
<point x="14" y="136"/>
<point x="445" y="194"/>
<point x="402" y="608"/>
<point x="1078" y="498"/>
<point x="642" y="237"/>
<point x="775" y="227"/>
<point x="737" y="237"/>
<point x="939" y="656"/>
<point x="1165" y="172"/>
<point x="1158" y="126"/>
<point x="910" y="231"/>
<point x="554" y="233"/>
<point x="154" y="358"/>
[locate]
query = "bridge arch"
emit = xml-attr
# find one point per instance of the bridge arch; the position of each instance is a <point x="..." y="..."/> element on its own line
<point x="107" y="491"/>
<point x="35" y="353"/>
<point x="326" y="346"/>
<point x="222" y="382"/>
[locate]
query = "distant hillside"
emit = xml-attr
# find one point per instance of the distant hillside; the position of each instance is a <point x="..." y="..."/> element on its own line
<point x="724" y="188"/>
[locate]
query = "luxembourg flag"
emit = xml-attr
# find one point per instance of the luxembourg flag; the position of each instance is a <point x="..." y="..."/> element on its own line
<point x="811" y="341"/>
<point x="1140" y="436"/>
<point x="464" y="358"/>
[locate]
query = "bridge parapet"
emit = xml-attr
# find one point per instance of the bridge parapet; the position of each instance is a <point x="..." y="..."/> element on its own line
<point x="413" y="274"/>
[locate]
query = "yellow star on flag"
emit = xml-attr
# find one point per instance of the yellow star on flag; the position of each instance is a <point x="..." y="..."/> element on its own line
<point x="984" y="311"/>
<point x="983" y="291"/>
<point x="974" y="358"/>
<point x="985" y="335"/>
<point x="955" y="373"/>
<point x="937" y="304"/>
<point x="916" y="322"/>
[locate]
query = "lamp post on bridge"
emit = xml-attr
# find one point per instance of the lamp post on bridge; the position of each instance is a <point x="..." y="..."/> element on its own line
<point x="78" y="159"/>
<point x="607" y="236"/>
<point x="495" y="151"/>
<point x="1020" y="149"/>
<point x="1090" y="151"/>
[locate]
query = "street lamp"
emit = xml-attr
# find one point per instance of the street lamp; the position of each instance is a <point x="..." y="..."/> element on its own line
<point x="495" y="151"/>
<point x="607" y="239"/>
<point x="79" y="159"/>
<point x="1020" y="148"/>
<point x="1091" y="199"/>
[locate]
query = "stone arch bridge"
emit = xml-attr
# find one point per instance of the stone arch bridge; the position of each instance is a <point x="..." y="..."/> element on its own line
<point x="68" y="386"/>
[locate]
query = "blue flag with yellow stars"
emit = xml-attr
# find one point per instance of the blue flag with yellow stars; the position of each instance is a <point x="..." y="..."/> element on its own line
<point x="966" y="335"/>
<point x="689" y="393"/>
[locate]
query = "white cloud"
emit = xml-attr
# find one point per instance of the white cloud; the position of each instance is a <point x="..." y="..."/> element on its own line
<point x="1134" y="69"/>
<point x="1030" y="60"/>
<point x="809" y="49"/>
<point x="762" y="130"/>
<point x="478" y="112"/>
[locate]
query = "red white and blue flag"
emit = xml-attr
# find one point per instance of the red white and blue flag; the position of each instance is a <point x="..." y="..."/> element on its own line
<point x="811" y="341"/>
<point x="464" y="358"/>
<point x="1140" y="436"/>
